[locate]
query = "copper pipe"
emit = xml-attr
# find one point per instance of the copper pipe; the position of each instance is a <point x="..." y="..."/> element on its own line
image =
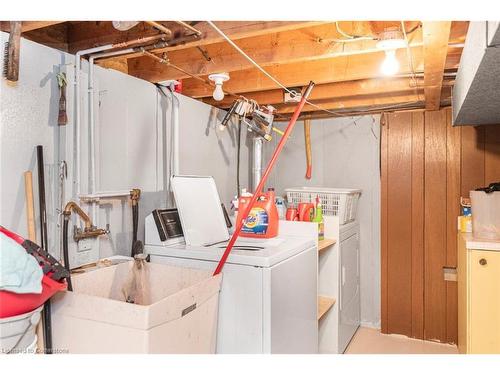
<point x="168" y="63"/>
<point x="90" y="233"/>
<point x="72" y="206"/>
<point x="160" y="27"/>
<point x="141" y="40"/>
<point x="135" y="194"/>
<point x="189" y="27"/>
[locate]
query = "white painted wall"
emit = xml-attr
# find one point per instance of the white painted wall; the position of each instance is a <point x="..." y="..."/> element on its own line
<point x="132" y="151"/>
<point x="345" y="155"/>
<point x="28" y="117"/>
<point x="131" y="116"/>
<point x="352" y="152"/>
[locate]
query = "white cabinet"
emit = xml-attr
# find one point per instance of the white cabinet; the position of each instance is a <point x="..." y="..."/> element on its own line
<point x="338" y="280"/>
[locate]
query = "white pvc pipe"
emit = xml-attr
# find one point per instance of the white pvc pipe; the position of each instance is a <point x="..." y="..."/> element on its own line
<point x="175" y="133"/>
<point x="257" y="161"/>
<point x="92" y="168"/>
<point x="77" y="124"/>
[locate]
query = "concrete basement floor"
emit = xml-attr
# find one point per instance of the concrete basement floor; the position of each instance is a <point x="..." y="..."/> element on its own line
<point x="371" y="341"/>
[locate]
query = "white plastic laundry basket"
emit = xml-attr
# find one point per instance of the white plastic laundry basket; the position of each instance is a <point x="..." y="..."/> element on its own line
<point x="335" y="202"/>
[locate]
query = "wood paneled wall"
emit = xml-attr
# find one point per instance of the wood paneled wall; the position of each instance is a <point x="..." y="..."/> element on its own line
<point x="426" y="166"/>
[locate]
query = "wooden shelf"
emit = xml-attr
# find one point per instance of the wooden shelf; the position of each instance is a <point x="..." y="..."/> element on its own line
<point x="324" y="304"/>
<point x="325" y="244"/>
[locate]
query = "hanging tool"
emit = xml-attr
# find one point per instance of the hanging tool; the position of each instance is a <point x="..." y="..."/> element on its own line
<point x="63" y="175"/>
<point x="258" y="119"/>
<point x="47" y="322"/>
<point x="12" y="52"/>
<point x="307" y="137"/>
<point x="62" y="82"/>
<point x="135" y="194"/>
<point x="258" y="190"/>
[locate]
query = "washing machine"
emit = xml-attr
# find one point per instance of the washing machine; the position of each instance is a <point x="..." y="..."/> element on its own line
<point x="268" y="300"/>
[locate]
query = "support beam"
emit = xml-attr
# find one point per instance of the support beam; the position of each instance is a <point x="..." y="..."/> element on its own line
<point x="336" y="90"/>
<point x="436" y="35"/>
<point x="358" y="102"/>
<point x="339" y="69"/>
<point x="29" y="25"/>
<point x="378" y="105"/>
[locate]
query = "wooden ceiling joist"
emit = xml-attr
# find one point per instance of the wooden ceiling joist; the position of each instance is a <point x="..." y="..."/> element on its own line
<point x="29" y="25"/>
<point x="365" y="110"/>
<point x="436" y="35"/>
<point x="331" y="91"/>
<point x="365" y="101"/>
<point x="338" y="69"/>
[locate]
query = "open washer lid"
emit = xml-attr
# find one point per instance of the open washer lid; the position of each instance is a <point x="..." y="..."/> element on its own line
<point x="200" y="210"/>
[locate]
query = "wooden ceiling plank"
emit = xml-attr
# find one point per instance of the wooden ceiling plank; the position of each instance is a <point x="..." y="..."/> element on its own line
<point x="436" y="35"/>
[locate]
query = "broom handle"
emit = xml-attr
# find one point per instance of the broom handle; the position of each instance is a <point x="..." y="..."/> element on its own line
<point x="30" y="205"/>
<point x="30" y="215"/>
<point x="270" y="165"/>
<point x="307" y="137"/>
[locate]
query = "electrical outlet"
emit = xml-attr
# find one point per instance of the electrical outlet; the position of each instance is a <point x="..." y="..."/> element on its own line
<point x="289" y="98"/>
<point x="84" y="245"/>
<point x="450" y="273"/>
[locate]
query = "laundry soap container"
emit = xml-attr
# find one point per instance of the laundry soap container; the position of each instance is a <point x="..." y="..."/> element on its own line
<point x="485" y="214"/>
<point x="138" y="307"/>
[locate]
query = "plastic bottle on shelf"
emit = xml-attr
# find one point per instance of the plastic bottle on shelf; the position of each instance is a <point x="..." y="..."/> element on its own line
<point x="318" y="218"/>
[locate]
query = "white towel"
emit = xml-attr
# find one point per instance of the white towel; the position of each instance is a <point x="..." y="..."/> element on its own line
<point x="19" y="271"/>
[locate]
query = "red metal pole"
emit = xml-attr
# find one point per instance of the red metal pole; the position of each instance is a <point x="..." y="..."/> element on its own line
<point x="262" y="182"/>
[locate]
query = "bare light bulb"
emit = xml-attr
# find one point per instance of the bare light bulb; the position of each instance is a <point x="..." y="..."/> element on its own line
<point x="390" y="66"/>
<point x="218" y="92"/>
<point x="218" y="79"/>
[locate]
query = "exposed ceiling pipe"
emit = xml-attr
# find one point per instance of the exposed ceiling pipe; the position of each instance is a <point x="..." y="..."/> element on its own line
<point x="160" y="27"/>
<point x="124" y="25"/>
<point x="97" y="52"/>
<point x="127" y="25"/>
<point x="78" y="68"/>
<point x="189" y="27"/>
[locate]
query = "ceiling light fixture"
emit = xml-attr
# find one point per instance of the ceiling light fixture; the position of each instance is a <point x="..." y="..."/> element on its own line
<point x="218" y="79"/>
<point x="390" y="40"/>
<point x="124" y="25"/>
